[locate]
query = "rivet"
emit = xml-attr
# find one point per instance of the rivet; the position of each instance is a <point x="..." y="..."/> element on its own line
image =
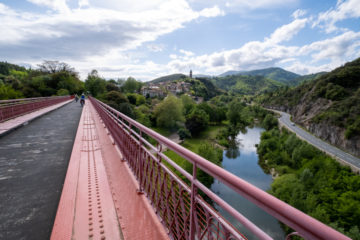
<point x="91" y="235"/>
<point x="102" y="231"/>
<point x="101" y="226"/>
<point x="90" y="223"/>
<point x="103" y="238"/>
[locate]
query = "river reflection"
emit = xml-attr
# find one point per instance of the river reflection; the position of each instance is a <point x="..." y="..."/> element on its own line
<point x="243" y="162"/>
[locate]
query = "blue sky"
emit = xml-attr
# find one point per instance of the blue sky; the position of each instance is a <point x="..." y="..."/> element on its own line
<point x="148" y="39"/>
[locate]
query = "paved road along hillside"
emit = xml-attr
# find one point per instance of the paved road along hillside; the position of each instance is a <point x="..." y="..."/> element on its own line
<point x="348" y="159"/>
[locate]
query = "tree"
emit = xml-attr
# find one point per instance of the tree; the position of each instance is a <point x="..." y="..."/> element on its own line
<point x="131" y="85"/>
<point x="184" y="133"/>
<point x="56" y="66"/>
<point x="95" y="84"/>
<point x="270" y="122"/>
<point x="169" y="112"/>
<point x="235" y="115"/>
<point x="197" y="121"/>
<point x="7" y="92"/>
<point x="188" y="103"/>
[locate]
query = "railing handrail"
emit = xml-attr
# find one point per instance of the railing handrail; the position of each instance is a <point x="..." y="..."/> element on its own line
<point x="305" y="225"/>
<point x="26" y="99"/>
<point x="15" y="107"/>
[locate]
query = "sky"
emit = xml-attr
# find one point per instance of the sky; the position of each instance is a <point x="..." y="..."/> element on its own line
<point x="147" y="39"/>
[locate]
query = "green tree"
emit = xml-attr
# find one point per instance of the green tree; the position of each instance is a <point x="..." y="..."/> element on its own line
<point x="197" y="121"/>
<point x="95" y="84"/>
<point x="7" y="92"/>
<point x="169" y="112"/>
<point x="270" y="122"/>
<point x="235" y="114"/>
<point x="131" y="85"/>
<point x="188" y="103"/>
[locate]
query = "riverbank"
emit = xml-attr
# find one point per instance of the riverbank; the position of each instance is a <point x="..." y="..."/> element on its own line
<point x="311" y="181"/>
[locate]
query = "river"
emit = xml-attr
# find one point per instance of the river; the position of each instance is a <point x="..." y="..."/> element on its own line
<point x="243" y="162"/>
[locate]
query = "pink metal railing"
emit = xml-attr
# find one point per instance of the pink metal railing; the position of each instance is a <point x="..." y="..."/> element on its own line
<point x="16" y="107"/>
<point x="182" y="211"/>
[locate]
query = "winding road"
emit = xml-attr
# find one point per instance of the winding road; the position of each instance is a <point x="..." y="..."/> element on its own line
<point x="342" y="156"/>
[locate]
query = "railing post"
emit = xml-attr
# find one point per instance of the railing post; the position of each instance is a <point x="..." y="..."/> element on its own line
<point x="140" y="190"/>
<point x="193" y="207"/>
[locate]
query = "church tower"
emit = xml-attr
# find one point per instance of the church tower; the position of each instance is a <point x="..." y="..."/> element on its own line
<point x="190" y="74"/>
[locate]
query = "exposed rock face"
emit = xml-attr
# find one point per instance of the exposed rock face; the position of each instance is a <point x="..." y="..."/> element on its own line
<point x="335" y="136"/>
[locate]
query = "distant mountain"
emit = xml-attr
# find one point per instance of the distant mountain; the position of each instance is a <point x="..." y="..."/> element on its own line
<point x="245" y="84"/>
<point x="202" y="76"/>
<point x="277" y="74"/>
<point x="229" y="73"/>
<point x="168" y="78"/>
<point x="328" y="106"/>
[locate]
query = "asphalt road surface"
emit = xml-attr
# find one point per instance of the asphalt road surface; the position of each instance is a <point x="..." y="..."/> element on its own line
<point x="320" y="144"/>
<point x="33" y="164"/>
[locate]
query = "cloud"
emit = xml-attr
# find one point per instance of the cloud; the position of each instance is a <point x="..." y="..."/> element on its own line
<point x="186" y="53"/>
<point x="83" y="3"/>
<point x="324" y="55"/>
<point x="344" y="10"/>
<point x="84" y="37"/>
<point x="286" y="32"/>
<point x="256" y="4"/>
<point x="298" y="13"/>
<point x="57" y="5"/>
<point x="155" y="47"/>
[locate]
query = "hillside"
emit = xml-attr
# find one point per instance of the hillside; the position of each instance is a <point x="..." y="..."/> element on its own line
<point x="277" y="74"/>
<point x="246" y="85"/>
<point x="168" y="78"/>
<point x="329" y="106"/>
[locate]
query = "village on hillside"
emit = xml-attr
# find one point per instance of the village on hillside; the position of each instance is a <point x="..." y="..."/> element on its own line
<point x="175" y="87"/>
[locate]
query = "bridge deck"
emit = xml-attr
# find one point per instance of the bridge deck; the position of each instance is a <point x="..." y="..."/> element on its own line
<point x="99" y="198"/>
<point x="33" y="163"/>
<point x="14" y="123"/>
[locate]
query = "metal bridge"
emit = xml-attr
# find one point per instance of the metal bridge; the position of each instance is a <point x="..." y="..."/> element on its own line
<point x="120" y="185"/>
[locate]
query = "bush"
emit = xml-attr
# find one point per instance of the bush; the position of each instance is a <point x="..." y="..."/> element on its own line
<point x="62" y="92"/>
<point x="184" y="133"/>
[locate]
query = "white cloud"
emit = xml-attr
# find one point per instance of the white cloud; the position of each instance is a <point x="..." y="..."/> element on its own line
<point x="155" y="47"/>
<point x="286" y="32"/>
<point x="324" y="55"/>
<point x="255" y="4"/>
<point x="298" y="13"/>
<point x="57" y="5"/>
<point x="211" y="12"/>
<point x="186" y="53"/>
<point x="77" y="34"/>
<point x="83" y="3"/>
<point x="248" y="5"/>
<point x="344" y="10"/>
